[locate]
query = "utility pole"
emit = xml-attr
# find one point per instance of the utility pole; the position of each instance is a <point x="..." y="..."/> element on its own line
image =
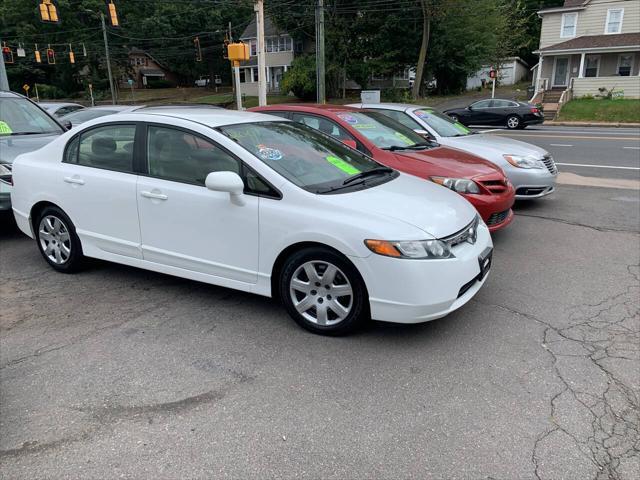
<point x="262" y="81"/>
<point x="320" y="77"/>
<point x="106" y="49"/>
<point x="4" y="82"/>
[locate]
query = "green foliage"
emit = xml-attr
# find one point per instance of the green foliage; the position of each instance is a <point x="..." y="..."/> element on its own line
<point x="49" y="91"/>
<point x="300" y="78"/>
<point x="396" y="95"/>
<point x="601" y="110"/>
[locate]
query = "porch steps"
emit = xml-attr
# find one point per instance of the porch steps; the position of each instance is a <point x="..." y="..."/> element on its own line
<point x="550" y="101"/>
<point x="549" y="110"/>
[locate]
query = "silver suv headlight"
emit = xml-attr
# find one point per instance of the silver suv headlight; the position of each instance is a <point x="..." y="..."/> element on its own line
<point x="522" y="161"/>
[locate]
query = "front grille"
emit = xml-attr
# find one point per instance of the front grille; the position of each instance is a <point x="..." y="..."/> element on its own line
<point x="531" y="191"/>
<point x="495" y="186"/>
<point x="498" y="218"/>
<point x="550" y="164"/>
<point x="465" y="288"/>
<point x="467" y="234"/>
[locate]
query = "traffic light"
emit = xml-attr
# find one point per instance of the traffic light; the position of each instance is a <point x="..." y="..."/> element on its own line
<point x="51" y="56"/>
<point x="7" y="54"/>
<point x="196" y="43"/>
<point x="37" y="55"/>
<point x="49" y="11"/>
<point x="72" y="56"/>
<point x="112" y="13"/>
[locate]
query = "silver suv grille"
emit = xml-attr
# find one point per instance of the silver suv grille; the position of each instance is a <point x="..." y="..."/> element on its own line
<point x="550" y="164"/>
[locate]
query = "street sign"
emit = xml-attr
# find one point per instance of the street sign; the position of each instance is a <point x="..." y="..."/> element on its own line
<point x="26" y="87"/>
<point x="492" y="74"/>
<point x="130" y="82"/>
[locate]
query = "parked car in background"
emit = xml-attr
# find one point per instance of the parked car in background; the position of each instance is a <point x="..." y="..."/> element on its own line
<point x="86" y="114"/>
<point x="60" y="109"/>
<point x="497" y="112"/>
<point x="24" y="127"/>
<point x="531" y="169"/>
<point x="392" y="144"/>
<point x="255" y="203"/>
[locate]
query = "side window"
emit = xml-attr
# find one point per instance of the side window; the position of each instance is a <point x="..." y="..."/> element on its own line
<point x="109" y="147"/>
<point x="501" y="104"/>
<point x="481" y="104"/>
<point x="71" y="151"/>
<point x="324" y="125"/>
<point x="256" y="185"/>
<point x="401" y="118"/>
<point x="183" y="157"/>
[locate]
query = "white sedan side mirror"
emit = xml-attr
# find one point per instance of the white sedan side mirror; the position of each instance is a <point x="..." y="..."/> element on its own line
<point x="229" y="182"/>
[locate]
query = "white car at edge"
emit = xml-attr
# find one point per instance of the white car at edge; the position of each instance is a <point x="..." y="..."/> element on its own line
<point x="531" y="169"/>
<point x="255" y="203"/>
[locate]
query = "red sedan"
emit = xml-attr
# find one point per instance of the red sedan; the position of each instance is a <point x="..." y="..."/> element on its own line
<point x="390" y="143"/>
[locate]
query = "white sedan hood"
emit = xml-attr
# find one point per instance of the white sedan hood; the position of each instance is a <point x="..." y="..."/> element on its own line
<point x="493" y="146"/>
<point x="433" y="209"/>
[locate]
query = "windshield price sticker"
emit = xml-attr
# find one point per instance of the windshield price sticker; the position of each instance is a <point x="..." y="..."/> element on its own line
<point x="5" y="129"/>
<point x="266" y="153"/>
<point x="461" y="127"/>
<point x="342" y="165"/>
<point x="422" y="113"/>
<point x="350" y="119"/>
<point x="404" y="138"/>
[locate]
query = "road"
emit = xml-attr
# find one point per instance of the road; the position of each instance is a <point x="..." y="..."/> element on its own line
<point x="118" y="372"/>
<point x="614" y="151"/>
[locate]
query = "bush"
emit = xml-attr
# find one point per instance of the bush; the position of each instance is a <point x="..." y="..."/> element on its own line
<point x="159" y="84"/>
<point x="49" y="91"/>
<point x="300" y="78"/>
<point x="396" y="95"/>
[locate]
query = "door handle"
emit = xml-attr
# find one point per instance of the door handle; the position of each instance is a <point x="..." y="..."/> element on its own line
<point x="154" y="195"/>
<point x="74" y="180"/>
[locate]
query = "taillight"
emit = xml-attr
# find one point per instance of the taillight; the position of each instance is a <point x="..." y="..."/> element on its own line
<point x="534" y="110"/>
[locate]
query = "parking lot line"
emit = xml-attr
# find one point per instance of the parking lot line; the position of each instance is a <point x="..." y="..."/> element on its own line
<point x="596" y="166"/>
<point x="571" y="136"/>
<point x="632" y="148"/>
<point x="559" y="145"/>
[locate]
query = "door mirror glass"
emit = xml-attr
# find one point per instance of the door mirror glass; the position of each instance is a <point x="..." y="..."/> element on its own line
<point x="229" y="182"/>
<point x="66" y="124"/>
<point x="350" y="143"/>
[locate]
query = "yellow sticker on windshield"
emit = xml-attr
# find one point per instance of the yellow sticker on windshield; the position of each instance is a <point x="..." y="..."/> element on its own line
<point x="342" y="165"/>
<point x="404" y="138"/>
<point x="461" y="127"/>
<point x="5" y="129"/>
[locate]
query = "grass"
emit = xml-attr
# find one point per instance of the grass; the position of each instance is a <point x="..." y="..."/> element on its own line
<point x="596" y="110"/>
<point x="247" y="102"/>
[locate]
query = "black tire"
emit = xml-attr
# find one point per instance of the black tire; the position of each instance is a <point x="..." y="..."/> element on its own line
<point x="358" y="311"/>
<point x="514" y="122"/>
<point x="74" y="260"/>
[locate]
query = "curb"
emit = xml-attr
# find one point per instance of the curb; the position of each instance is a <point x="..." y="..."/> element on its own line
<point x="592" y="124"/>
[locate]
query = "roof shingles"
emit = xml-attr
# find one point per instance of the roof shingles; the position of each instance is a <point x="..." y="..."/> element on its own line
<point x="597" y="41"/>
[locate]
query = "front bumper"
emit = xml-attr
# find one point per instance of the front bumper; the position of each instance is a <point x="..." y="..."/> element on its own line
<point x="429" y="289"/>
<point x="492" y="206"/>
<point x="533" y="119"/>
<point x="531" y="183"/>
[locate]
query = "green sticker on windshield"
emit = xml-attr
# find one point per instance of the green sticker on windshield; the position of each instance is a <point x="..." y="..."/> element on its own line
<point x="342" y="165"/>
<point x="5" y="129"/>
<point x="404" y="138"/>
<point x="461" y="127"/>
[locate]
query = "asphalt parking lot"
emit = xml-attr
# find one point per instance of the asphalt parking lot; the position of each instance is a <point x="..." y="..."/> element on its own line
<point x="118" y="372"/>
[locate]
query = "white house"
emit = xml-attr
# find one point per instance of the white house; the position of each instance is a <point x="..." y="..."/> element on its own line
<point x="511" y="71"/>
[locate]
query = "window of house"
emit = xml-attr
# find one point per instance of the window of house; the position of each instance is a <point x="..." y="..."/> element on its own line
<point x="243" y="77"/>
<point x="614" y="20"/>
<point x="569" y="23"/>
<point x="255" y="74"/>
<point x="253" y="48"/>
<point x="625" y="61"/>
<point x="299" y="46"/>
<point x="271" y="44"/>
<point x="591" y="66"/>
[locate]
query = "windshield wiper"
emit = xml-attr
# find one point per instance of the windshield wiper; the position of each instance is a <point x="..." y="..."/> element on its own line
<point x="13" y="134"/>
<point x="368" y="173"/>
<point x="415" y="146"/>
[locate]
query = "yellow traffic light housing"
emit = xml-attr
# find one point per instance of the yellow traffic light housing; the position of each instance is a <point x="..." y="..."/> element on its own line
<point x="49" y="11"/>
<point x="112" y="13"/>
<point x="238" y="52"/>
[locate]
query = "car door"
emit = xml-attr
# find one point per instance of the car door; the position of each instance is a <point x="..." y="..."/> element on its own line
<point x="479" y="113"/>
<point x="185" y="225"/>
<point x="99" y="192"/>
<point x="500" y="110"/>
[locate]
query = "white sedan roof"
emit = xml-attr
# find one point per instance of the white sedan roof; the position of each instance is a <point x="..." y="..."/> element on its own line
<point x="212" y="117"/>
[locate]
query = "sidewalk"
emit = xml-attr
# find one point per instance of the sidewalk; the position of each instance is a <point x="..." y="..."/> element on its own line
<point x="591" y="124"/>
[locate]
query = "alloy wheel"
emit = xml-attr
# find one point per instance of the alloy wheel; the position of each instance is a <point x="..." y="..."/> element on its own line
<point x="321" y="293"/>
<point x="513" y="122"/>
<point x="55" y="239"/>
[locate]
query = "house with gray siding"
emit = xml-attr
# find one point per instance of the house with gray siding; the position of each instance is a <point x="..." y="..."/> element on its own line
<point x="587" y="46"/>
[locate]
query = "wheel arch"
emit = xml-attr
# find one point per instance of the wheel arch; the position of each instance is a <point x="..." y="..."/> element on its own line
<point x="35" y="211"/>
<point x="278" y="264"/>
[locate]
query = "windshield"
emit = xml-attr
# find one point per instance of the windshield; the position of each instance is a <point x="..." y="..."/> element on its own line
<point x="88" y="114"/>
<point x="18" y="116"/>
<point x="443" y="125"/>
<point x="307" y="158"/>
<point x="381" y="130"/>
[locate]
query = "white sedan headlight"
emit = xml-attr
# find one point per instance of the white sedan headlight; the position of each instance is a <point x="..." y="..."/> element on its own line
<point x="459" y="185"/>
<point x="522" y="161"/>
<point x="417" y="249"/>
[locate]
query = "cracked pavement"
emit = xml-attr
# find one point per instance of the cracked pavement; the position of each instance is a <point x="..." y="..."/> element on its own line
<point x="118" y="372"/>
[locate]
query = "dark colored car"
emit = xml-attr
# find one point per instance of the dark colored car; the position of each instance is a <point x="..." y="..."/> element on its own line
<point x="388" y="142"/>
<point x="498" y="112"/>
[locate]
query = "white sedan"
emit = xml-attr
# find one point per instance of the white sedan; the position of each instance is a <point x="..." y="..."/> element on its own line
<point x="256" y="203"/>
